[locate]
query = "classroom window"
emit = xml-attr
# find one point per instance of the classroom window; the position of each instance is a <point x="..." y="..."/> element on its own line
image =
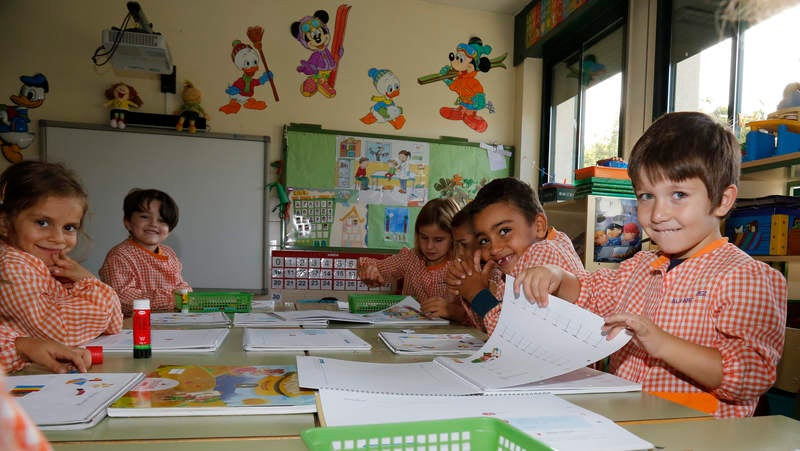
<point x="734" y="71"/>
<point x="584" y="107"/>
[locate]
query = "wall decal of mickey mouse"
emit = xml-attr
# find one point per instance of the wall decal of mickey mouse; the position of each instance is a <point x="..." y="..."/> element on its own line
<point x="466" y="62"/>
<point x="14" y="120"/>
<point x="313" y="34"/>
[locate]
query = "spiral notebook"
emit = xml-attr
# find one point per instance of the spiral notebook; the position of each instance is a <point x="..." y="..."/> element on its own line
<point x="530" y="344"/>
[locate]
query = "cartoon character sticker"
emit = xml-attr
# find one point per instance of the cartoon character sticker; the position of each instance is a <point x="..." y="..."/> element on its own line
<point x="461" y="77"/>
<point x="313" y="33"/>
<point x="14" y="120"/>
<point x="384" y="109"/>
<point x="242" y="90"/>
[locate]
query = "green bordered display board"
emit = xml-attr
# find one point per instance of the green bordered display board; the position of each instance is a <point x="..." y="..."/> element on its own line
<point x="349" y="190"/>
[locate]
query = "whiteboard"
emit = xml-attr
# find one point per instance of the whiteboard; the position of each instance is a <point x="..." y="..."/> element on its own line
<point x="217" y="181"/>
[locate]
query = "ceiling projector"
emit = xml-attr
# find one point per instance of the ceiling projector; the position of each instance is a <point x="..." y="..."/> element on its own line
<point x="138" y="49"/>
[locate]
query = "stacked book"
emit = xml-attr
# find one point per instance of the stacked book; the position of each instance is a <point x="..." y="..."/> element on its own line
<point x="603" y="181"/>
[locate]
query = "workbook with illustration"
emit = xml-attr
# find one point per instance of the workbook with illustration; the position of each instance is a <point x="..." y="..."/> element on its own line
<point x="532" y="349"/>
<point x="281" y="340"/>
<point x="430" y="344"/>
<point x="405" y="313"/>
<point x="203" y="390"/>
<point x="69" y="401"/>
<point x="266" y="319"/>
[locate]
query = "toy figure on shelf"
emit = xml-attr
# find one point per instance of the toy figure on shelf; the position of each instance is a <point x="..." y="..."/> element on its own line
<point x="283" y="199"/>
<point x="14" y="120"/>
<point x="121" y="98"/>
<point x="241" y="91"/>
<point x="313" y="33"/>
<point x="384" y="109"/>
<point x="190" y="110"/>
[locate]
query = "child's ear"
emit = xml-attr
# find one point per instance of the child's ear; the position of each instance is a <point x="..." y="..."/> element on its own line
<point x="727" y="202"/>
<point x="540" y="226"/>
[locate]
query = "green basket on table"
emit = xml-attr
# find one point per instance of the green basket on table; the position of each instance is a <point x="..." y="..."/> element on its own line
<point x="483" y="433"/>
<point x="216" y="301"/>
<point x="368" y="303"/>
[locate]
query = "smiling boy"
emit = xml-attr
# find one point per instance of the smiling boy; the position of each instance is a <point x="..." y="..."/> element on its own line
<point x="707" y="320"/>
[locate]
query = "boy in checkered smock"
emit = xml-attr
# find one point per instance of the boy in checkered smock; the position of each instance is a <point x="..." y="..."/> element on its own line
<point x="423" y="268"/>
<point x="707" y="320"/>
<point x="142" y="266"/>
<point x="512" y="234"/>
<point x="50" y="303"/>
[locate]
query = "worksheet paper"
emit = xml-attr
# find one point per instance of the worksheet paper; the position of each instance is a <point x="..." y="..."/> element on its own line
<point x="165" y="340"/>
<point x="529" y="344"/>
<point x="189" y="319"/>
<point x="262" y="319"/>
<point x="552" y="420"/>
<point x="278" y="340"/>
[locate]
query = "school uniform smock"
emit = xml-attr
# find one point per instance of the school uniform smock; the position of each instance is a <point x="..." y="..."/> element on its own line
<point x="555" y="249"/>
<point x="19" y="431"/>
<point x="420" y="281"/>
<point x="138" y="273"/>
<point x="34" y="304"/>
<point x="720" y="298"/>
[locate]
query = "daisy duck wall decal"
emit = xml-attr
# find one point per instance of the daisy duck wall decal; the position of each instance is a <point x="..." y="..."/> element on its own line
<point x="313" y="33"/>
<point x="385" y="109"/>
<point x="14" y="135"/>
<point x="468" y="60"/>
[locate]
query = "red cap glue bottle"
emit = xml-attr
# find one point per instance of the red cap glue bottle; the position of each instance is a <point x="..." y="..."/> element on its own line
<point x="141" y="329"/>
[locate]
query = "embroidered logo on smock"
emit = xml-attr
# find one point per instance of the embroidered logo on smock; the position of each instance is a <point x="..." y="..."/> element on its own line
<point x="682" y="300"/>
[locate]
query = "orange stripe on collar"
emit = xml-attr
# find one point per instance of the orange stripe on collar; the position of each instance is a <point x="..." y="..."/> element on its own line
<point x="710" y="247"/>
<point x="157" y="255"/>
<point x="551" y="234"/>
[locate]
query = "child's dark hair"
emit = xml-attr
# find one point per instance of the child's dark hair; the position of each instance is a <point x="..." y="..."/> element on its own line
<point x="24" y="184"/>
<point x="684" y="145"/>
<point x="464" y="216"/>
<point x="138" y="200"/>
<point x="512" y="191"/>
<point x="439" y="211"/>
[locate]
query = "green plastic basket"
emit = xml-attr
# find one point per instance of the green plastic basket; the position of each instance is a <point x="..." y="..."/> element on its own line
<point x="214" y="301"/>
<point x="368" y="303"/>
<point x="475" y="434"/>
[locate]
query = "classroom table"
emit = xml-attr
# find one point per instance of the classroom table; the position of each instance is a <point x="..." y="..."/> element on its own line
<point x="620" y="407"/>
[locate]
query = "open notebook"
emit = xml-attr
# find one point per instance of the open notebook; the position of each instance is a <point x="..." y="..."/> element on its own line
<point x="430" y="344"/>
<point x="69" y="401"/>
<point x="200" y="319"/>
<point x="266" y="319"/>
<point x="405" y="313"/>
<point x="530" y="344"/>
<point x="165" y="340"/>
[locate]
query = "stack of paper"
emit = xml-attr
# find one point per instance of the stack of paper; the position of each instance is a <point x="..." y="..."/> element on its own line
<point x="200" y="390"/>
<point x="272" y="320"/>
<point x="69" y="401"/>
<point x="303" y="340"/>
<point x="165" y="340"/>
<point x="189" y="319"/>
<point x="549" y="419"/>
<point x="430" y="344"/>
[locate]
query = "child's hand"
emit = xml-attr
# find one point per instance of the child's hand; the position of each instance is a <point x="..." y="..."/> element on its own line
<point x="434" y="307"/>
<point x="467" y="279"/>
<point x="369" y="274"/>
<point x="68" y="270"/>
<point x="645" y="333"/>
<point x="538" y="282"/>
<point x="54" y="356"/>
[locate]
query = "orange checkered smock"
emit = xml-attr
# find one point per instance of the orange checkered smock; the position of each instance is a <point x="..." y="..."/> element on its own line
<point x="33" y="303"/>
<point x="420" y="281"/>
<point x="138" y="273"/>
<point x="720" y="298"/>
<point x="555" y="249"/>
<point x="17" y="431"/>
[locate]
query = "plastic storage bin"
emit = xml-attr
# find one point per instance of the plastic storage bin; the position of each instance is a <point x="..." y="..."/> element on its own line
<point x="213" y="301"/>
<point x="368" y="303"/>
<point x="457" y="434"/>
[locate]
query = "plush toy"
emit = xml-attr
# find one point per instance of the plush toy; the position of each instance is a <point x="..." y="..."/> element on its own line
<point x="14" y="119"/>
<point x="791" y="96"/>
<point x="384" y="109"/>
<point x="190" y="110"/>
<point x="312" y="32"/>
<point x="241" y="91"/>
<point x="121" y="98"/>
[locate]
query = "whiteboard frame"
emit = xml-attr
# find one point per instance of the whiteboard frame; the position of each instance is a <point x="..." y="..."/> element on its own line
<point x="264" y="270"/>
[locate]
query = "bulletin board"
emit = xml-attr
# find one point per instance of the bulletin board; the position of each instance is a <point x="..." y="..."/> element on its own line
<point x="361" y="190"/>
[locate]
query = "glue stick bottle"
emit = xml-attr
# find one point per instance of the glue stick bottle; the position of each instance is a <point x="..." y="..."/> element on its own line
<point x="141" y="329"/>
<point x="184" y="292"/>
